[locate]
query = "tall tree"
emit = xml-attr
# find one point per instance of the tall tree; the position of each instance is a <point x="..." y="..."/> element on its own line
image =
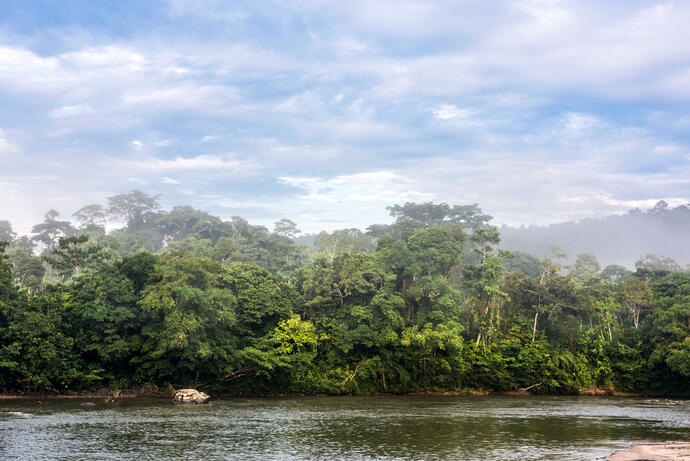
<point x="73" y="255"/>
<point x="91" y="215"/>
<point x="133" y="207"/>
<point x="26" y="244"/>
<point x="412" y="216"/>
<point x="615" y="273"/>
<point x="27" y="270"/>
<point x="50" y="230"/>
<point x="342" y="241"/>
<point x="586" y="266"/>
<point x="286" y="228"/>
<point x="7" y="234"/>
<point x="637" y="297"/>
<point x="182" y="221"/>
<point x="657" y="262"/>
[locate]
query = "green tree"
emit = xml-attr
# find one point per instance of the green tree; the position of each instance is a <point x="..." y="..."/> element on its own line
<point x="586" y="266"/>
<point x="436" y="250"/>
<point x="91" y="218"/>
<point x="73" y="256"/>
<point x="615" y="273"/>
<point x="286" y="228"/>
<point x="50" y="230"/>
<point x="523" y="262"/>
<point x="636" y="296"/>
<point x="669" y="330"/>
<point x="27" y="270"/>
<point x="132" y="208"/>
<point x="7" y="234"/>
<point x="657" y="262"/>
<point x="342" y="241"/>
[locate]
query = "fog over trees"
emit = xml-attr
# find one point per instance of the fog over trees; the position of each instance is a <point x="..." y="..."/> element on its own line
<point x="621" y="239"/>
<point x="433" y="301"/>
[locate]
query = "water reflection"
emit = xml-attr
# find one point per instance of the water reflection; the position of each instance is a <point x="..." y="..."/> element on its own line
<point x="443" y="427"/>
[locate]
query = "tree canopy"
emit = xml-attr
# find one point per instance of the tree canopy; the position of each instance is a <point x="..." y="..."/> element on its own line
<point x="427" y="303"/>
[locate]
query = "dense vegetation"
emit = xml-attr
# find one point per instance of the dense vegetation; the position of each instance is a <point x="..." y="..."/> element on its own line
<point x="427" y="303"/>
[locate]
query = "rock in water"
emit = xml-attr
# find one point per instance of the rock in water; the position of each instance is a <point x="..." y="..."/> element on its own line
<point x="190" y="396"/>
<point x="87" y="404"/>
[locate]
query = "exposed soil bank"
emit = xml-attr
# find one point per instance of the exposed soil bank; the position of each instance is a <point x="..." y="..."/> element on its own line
<point x="607" y="391"/>
<point x="167" y="393"/>
<point x="100" y="393"/>
<point x="654" y="452"/>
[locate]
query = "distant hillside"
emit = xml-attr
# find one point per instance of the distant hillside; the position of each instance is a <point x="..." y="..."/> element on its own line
<point x="615" y="239"/>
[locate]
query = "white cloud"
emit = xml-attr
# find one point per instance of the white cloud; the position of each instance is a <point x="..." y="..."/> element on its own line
<point x="200" y="163"/>
<point x="592" y="199"/>
<point x="76" y="110"/>
<point x="214" y="9"/>
<point x="665" y="149"/>
<point x="205" y="98"/>
<point x="577" y="123"/>
<point x="169" y="180"/>
<point x="105" y="59"/>
<point x="382" y="187"/>
<point x="645" y="203"/>
<point x="376" y="96"/>
<point x="73" y="71"/>
<point x="295" y="181"/>
<point x="375" y="177"/>
<point x="5" y="147"/>
<point x="449" y="111"/>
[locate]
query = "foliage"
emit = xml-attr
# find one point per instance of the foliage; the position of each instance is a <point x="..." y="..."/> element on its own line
<point x="427" y="303"/>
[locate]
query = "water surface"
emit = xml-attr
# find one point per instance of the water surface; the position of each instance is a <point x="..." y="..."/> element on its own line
<point x="382" y="427"/>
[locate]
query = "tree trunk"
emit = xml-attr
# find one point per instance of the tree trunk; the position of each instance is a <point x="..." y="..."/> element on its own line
<point x="383" y="375"/>
<point x="340" y="293"/>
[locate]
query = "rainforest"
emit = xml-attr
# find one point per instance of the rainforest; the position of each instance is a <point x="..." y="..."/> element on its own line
<point x="428" y="303"/>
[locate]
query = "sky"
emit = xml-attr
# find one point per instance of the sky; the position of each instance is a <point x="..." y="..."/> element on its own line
<point x="328" y="112"/>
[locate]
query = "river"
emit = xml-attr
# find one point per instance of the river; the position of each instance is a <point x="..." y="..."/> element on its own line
<point x="329" y="428"/>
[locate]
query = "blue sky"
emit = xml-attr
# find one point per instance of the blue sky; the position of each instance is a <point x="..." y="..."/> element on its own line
<point x="327" y="112"/>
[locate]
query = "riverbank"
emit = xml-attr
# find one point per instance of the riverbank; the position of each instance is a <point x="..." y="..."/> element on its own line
<point x="168" y="392"/>
<point x="97" y="394"/>
<point x="654" y="452"/>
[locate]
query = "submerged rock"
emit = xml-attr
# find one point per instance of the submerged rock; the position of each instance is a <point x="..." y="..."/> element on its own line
<point x="190" y="396"/>
<point x="654" y="452"/>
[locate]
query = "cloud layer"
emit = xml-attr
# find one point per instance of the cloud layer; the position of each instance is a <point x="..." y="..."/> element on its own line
<point x="539" y="110"/>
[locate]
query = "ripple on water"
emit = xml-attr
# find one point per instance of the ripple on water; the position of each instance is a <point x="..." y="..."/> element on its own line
<point x="385" y="427"/>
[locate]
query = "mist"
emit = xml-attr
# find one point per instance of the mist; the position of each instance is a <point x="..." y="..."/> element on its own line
<point x="619" y="239"/>
<point x="136" y="221"/>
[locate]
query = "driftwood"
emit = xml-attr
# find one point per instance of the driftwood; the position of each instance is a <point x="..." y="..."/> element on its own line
<point x="525" y="389"/>
<point x="234" y="375"/>
<point x="354" y="373"/>
<point x="114" y="398"/>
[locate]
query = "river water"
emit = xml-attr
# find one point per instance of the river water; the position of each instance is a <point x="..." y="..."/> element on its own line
<point x="381" y="427"/>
